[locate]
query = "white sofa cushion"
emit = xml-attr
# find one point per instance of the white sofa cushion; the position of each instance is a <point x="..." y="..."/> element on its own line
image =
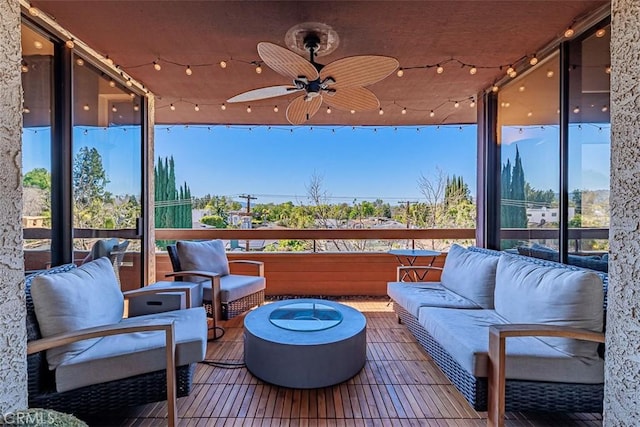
<point x="529" y="293"/>
<point x="411" y="296"/>
<point x="464" y="334"/>
<point x="470" y="274"/>
<point x="84" y="297"/>
<point x="208" y="256"/>
<point x="122" y="356"/>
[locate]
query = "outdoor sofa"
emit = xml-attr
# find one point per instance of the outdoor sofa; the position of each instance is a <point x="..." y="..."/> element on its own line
<point x="483" y="291"/>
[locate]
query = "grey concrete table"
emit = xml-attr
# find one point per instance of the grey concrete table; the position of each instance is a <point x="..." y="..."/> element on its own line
<point x="305" y="343"/>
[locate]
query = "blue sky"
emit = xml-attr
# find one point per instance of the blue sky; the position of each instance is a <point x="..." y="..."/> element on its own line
<point x="361" y="163"/>
<point x="355" y="163"/>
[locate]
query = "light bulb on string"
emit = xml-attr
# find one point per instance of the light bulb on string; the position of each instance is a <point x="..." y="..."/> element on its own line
<point x="114" y="109"/>
<point x="196" y="108"/>
<point x="472" y="103"/>
<point x="86" y="107"/>
<point x="439" y="69"/>
<point x="473" y="70"/>
<point x="188" y="71"/>
<point x="112" y="83"/>
<point x="533" y="60"/>
<point x="157" y="66"/>
<point x="607" y="69"/>
<point x="34" y="11"/>
<point x="604" y="108"/>
<point x="400" y="72"/>
<point x="223" y="107"/>
<point x="513" y="74"/>
<point x="495" y="88"/>
<point x="80" y="62"/>
<point x="601" y="32"/>
<point x="353" y="111"/>
<point x="248" y="108"/>
<point x="70" y="44"/>
<point x="550" y="73"/>
<point x="432" y="113"/>
<point x="569" y="32"/>
<point x="510" y="70"/>
<point x="381" y="111"/>
<point x="136" y="107"/>
<point x="223" y="64"/>
<point x="404" y="110"/>
<point x="576" y="110"/>
<point x="24" y="67"/>
<point x="456" y="104"/>
<point x="275" y="109"/>
<point x="129" y="82"/>
<point x="328" y="110"/>
<point x="109" y="60"/>
<point x="172" y="107"/>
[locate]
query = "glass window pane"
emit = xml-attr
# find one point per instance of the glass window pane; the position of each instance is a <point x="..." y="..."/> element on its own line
<point x="528" y="134"/>
<point x="589" y="150"/>
<point x="37" y="62"/>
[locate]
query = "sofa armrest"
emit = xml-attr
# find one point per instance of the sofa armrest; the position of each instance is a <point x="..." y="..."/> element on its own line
<point x="497" y="357"/>
<point x="419" y="272"/>
<point x="159" y="290"/>
<point x="258" y="264"/>
<point x="167" y="326"/>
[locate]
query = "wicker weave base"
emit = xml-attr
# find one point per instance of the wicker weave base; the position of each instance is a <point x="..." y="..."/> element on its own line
<point x="235" y="308"/>
<point x="520" y="395"/>
<point x="101" y="398"/>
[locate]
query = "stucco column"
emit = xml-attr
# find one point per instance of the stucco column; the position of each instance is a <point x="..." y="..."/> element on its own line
<point x="13" y="334"/>
<point x="150" y="196"/>
<point x="622" y="363"/>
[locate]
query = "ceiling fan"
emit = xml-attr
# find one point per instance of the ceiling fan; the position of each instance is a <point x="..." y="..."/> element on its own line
<point x="340" y="83"/>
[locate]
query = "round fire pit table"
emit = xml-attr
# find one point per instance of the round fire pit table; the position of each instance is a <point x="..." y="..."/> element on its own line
<point x="305" y="343"/>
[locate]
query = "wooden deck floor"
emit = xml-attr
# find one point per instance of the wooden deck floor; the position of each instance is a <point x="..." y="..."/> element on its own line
<point x="399" y="386"/>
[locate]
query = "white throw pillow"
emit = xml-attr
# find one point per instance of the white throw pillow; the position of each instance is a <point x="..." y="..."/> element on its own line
<point x="85" y="297"/>
<point x="205" y="256"/>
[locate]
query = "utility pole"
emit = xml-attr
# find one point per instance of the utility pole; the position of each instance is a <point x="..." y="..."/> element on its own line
<point x="249" y="198"/>
<point x="408" y="204"/>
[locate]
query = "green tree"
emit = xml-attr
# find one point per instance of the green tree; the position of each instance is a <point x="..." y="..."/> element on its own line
<point x="39" y="178"/>
<point x="513" y="212"/>
<point x="89" y="177"/>
<point x="173" y="205"/>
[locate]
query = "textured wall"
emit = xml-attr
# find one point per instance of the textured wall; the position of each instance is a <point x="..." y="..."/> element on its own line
<point x="622" y="373"/>
<point x="13" y="373"/>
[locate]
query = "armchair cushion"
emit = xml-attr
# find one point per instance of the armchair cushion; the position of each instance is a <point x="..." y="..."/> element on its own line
<point x="121" y="356"/>
<point x="471" y="275"/>
<point x="235" y="286"/>
<point x="84" y="297"/>
<point x="205" y="256"/>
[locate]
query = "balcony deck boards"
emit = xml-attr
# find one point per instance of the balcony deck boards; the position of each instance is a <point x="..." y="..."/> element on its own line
<point x="399" y="386"/>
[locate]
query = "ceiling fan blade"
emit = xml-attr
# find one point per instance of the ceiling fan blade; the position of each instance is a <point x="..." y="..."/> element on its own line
<point x="263" y="93"/>
<point x="300" y="110"/>
<point x="359" y="70"/>
<point x="352" y="98"/>
<point x="285" y="62"/>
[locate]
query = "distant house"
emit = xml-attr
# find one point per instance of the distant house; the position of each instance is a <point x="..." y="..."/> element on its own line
<point x="543" y="215"/>
<point x="33" y="221"/>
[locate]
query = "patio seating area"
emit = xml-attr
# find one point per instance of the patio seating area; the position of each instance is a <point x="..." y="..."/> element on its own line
<point x="399" y="385"/>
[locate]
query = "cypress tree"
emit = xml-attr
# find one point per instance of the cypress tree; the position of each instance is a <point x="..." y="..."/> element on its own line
<point x="519" y="213"/>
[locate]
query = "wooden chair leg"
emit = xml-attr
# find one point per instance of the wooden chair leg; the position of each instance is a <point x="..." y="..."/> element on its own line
<point x="172" y="406"/>
<point x="496" y="409"/>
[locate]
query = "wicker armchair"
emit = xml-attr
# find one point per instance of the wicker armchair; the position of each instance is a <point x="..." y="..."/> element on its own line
<point x="224" y="295"/>
<point x="164" y="384"/>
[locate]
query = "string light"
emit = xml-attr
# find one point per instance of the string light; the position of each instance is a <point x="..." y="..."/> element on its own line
<point x="569" y="32"/>
<point x="521" y="88"/>
<point x="550" y="73"/>
<point x="473" y="70"/>
<point x="440" y="69"/>
<point x="432" y="113"/>
<point x="495" y="88"/>
<point x="129" y="82"/>
<point x="248" y="108"/>
<point x="510" y="70"/>
<point x="34" y="11"/>
<point x="136" y="107"/>
<point x="275" y="109"/>
<point x="404" y="110"/>
<point x="86" y="107"/>
<point x="70" y="44"/>
<point x="80" y="62"/>
<point x="604" y="108"/>
<point x="533" y="61"/>
<point x="328" y="110"/>
<point x="472" y="103"/>
<point x="223" y="107"/>
<point x="188" y="71"/>
<point x="381" y="111"/>
<point x="114" y="109"/>
<point x="223" y="64"/>
<point x="601" y="32"/>
<point x="607" y="69"/>
<point x="109" y="60"/>
<point x="24" y="67"/>
<point x="26" y="110"/>
<point x="400" y="72"/>
<point x="197" y="108"/>
<point x="576" y="110"/>
<point x="157" y="66"/>
<point x="172" y="107"/>
<point x="456" y="104"/>
<point x="112" y="83"/>
<point x="353" y="111"/>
